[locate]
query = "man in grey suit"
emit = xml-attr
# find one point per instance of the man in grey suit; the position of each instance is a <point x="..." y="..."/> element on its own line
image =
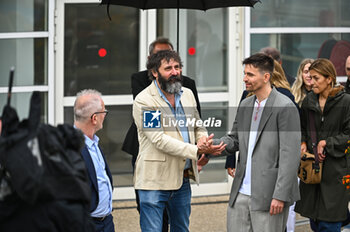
<point x="266" y="132"/>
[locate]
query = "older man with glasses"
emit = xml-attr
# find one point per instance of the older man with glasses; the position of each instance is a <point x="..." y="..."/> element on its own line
<point x="89" y="114"/>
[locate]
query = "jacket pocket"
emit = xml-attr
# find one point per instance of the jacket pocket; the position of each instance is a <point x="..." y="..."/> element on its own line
<point x="269" y="182"/>
<point x="154" y="156"/>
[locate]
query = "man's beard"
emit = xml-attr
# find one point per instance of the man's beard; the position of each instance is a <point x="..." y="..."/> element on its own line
<point x="173" y="85"/>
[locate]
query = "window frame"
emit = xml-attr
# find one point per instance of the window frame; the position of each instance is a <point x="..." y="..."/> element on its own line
<point x="286" y="30"/>
<point x="49" y="35"/>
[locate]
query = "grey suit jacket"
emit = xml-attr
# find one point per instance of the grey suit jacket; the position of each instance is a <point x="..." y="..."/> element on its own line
<point x="276" y="154"/>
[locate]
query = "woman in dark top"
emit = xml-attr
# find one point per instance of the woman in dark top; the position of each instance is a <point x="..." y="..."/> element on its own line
<point x="326" y="203"/>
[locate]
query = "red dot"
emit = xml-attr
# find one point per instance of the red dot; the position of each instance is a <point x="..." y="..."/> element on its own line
<point x="102" y="52"/>
<point x="191" y="51"/>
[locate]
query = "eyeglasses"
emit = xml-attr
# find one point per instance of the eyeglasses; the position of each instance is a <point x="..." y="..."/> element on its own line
<point x="102" y="112"/>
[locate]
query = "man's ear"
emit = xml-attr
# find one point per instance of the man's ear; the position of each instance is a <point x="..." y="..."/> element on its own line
<point x="267" y="77"/>
<point x="93" y="119"/>
<point x="154" y="73"/>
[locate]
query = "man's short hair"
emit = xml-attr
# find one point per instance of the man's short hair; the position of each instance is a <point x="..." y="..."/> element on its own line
<point x="84" y="109"/>
<point x="160" y="40"/>
<point x="155" y="60"/>
<point x="260" y="61"/>
<point x="273" y="52"/>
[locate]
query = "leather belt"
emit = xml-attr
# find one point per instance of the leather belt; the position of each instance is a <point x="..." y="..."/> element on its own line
<point x="186" y="173"/>
<point x="101" y="219"/>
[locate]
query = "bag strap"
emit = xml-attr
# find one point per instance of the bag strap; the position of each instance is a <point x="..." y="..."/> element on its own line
<point x="313" y="137"/>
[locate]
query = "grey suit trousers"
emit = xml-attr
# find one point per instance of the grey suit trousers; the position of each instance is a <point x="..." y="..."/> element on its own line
<point x="240" y="218"/>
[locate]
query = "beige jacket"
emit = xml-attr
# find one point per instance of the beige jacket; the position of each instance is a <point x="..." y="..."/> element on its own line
<point x="162" y="153"/>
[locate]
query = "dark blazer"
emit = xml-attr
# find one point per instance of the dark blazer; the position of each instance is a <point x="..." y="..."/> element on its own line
<point x="92" y="176"/>
<point x="347" y="86"/>
<point x="139" y="81"/>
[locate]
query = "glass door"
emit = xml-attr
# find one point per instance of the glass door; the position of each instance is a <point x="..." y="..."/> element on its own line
<point x="94" y="52"/>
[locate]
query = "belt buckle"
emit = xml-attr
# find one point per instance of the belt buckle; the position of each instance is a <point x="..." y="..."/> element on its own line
<point x="101" y="218"/>
<point x="186" y="173"/>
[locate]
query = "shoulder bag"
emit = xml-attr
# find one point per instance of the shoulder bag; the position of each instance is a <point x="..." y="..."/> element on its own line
<point x="310" y="169"/>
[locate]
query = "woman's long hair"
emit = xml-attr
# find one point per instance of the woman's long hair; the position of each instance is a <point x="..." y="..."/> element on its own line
<point x="278" y="77"/>
<point x="298" y="88"/>
<point x="326" y="68"/>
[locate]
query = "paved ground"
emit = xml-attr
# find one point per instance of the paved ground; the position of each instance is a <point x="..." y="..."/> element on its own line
<point x="208" y="215"/>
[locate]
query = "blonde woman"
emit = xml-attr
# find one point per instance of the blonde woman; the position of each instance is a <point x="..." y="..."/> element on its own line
<point x="302" y="85"/>
<point x="278" y="78"/>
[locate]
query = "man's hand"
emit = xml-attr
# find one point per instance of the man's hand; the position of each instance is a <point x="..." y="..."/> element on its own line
<point x="199" y="167"/>
<point x="205" y="146"/>
<point x="203" y="140"/>
<point x="276" y="207"/>
<point x="203" y="160"/>
<point x="204" y="143"/>
<point x="231" y="171"/>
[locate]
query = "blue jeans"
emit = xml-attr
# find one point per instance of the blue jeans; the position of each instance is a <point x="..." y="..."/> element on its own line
<point x="322" y="226"/>
<point x="177" y="203"/>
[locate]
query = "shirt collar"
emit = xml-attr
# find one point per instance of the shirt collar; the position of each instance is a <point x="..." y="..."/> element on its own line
<point x="90" y="142"/>
<point x="262" y="103"/>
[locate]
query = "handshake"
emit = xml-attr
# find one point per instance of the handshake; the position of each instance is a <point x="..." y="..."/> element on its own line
<point x="205" y="146"/>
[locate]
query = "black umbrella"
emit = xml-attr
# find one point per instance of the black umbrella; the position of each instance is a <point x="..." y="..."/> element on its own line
<point x="177" y="4"/>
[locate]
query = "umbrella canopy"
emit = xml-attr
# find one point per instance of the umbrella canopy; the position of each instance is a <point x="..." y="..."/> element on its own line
<point x="179" y="4"/>
<point x="182" y="4"/>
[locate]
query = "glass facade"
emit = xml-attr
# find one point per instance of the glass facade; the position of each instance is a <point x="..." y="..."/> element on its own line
<point x="23" y="16"/>
<point x="202" y="44"/>
<point x="295" y="47"/>
<point x="28" y="56"/>
<point x="306" y="16"/>
<point x="24" y="46"/>
<point x="300" y="13"/>
<point x="21" y="102"/>
<point x="100" y="53"/>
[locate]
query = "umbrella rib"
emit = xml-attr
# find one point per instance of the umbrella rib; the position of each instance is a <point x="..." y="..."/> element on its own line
<point x="177" y="27"/>
<point x="144" y="4"/>
<point x="204" y="6"/>
<point x="109" y="16"/>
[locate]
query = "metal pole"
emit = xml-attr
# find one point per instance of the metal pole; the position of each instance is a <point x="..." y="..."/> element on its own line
<point x="178" y="22"/>
<point x="10" y="86"/>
